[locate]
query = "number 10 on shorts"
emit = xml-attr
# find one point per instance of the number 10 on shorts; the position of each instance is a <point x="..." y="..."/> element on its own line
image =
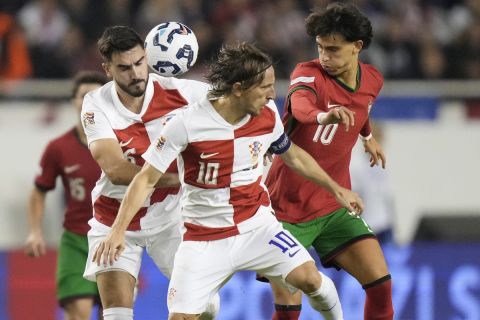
<point x="284" y="242"/>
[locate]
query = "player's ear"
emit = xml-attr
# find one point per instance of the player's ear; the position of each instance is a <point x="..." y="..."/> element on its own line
<point x="106" y="67"/>
<point x="357" y="46"/>
<point x="237" y="89"/>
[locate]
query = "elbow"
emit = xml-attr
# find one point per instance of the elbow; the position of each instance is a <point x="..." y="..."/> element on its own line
<point x="115" y="176"/>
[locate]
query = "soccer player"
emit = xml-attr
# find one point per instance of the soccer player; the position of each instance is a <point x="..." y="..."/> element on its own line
<point x="220" y="142"/>
<point x="121" y="119"/>
<point x="68" y="157"/>
<point x="323" y="94"/>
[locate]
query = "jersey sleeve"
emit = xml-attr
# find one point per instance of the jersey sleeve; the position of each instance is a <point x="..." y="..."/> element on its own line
<point x="302" y="94"/>
<point x="49" y="169"/>
<point x="173" y="140"/>
<point x="281" y="142"/>
<point x="95" y="122"/>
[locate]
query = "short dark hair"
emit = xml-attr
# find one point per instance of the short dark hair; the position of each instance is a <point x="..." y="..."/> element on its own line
<point x="118" y="39"/>
<point x="89" y="77"/>
<point x="341" y="18"/>
<point x="239" y="62"/>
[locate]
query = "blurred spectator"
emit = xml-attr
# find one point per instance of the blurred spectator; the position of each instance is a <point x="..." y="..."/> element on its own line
<point x="414" y="39"/>
<point x="14" y="57"/>
<point x="373" y="185"/>
<point x="45" y="24"/>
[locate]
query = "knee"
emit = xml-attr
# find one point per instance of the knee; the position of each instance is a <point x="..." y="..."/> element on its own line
<point x="310" y="282"/>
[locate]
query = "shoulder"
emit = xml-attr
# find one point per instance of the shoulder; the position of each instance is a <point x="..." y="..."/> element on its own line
<point x="306" y="73"/>
<point x="60" y="141"/>
<point x="98" y="97"/>
<point x="373" y="75"/>
<point x="170" y="83"/>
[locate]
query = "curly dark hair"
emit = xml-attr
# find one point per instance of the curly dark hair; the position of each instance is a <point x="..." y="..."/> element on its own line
<point x="341" y="18"/>
<point x="240" y="62"/>
<point x="118" y="39"/>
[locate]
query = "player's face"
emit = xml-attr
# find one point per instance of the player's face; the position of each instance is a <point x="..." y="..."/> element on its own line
<point x="336" y="54"/>
<point x="82" y="90"/>
<point x="258" y="96"/>
<point x="129" y="70"/>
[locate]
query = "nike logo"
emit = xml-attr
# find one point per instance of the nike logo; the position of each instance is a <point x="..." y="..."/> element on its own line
<point x="329" y="105"/>
<point x="123" y="144"/>
<point x="208" y="155"/>
<point x="292" y="254"/>
<point x="70" y="169"/>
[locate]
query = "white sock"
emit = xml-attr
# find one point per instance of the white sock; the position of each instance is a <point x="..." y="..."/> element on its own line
<point x="118" y="314"/>
<point x="213" y="308"/>
<point x="325" y="300"/>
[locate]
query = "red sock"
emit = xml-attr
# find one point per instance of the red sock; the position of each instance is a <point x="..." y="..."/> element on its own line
<point x="378" y="303"/>
<point x="290" y="312"/>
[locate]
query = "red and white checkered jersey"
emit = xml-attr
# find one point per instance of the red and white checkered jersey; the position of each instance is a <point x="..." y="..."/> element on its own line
<point x="105" y="117"/>
<point x="220" y="167"/>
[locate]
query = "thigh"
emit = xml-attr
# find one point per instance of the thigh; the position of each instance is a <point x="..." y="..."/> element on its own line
<point x="339" y="230"/>
<point x="129" y="261"/>
<point x="201" y="268"/>
<point x="72" y="256"/>
<point x="271" y="251"/>
<point x="163" y="245"/>
<point x="364" y="260"/>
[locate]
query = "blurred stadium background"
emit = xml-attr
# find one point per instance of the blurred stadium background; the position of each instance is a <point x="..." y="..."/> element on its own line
<point x="429" y="52"/>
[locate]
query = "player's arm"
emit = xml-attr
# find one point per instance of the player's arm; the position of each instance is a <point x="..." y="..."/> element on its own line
<point x="35" y="244"/>
<point x="119" y="170"/>
<point x="303" y="106"/>
<point x="305" y="165"/>
<point x="142" y="185"/>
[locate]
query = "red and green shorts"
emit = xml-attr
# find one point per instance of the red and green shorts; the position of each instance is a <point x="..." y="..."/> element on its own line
<point x="329" y="235"/>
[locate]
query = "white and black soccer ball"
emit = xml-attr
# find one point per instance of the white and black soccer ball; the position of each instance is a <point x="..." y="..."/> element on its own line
<point x="171" y="49"/>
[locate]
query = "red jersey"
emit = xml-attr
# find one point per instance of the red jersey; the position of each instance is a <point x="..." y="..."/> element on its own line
<point x="294" y="198"/>
<point x="67" y="157"/>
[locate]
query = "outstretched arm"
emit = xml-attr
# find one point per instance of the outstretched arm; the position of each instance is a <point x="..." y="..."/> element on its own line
<point x="303" y="163"/>
<point x="142" y="185"/>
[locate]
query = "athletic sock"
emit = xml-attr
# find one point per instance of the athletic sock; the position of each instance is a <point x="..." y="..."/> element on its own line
<point x="325" y="300"/>
<point x="118" y="314"/>
<point x="287" y="312"/>
<point x="378" y="303"/>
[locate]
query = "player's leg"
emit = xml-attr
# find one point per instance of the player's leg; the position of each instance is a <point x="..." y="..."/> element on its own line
<point x="115" y="282"/>
<point x="289" y="305"/>
<point x="359" y="253"/>
<point x="275" y="253"/>
<point x="76" y="295"/>
<point x="364" y="260"/>
<point x="201" y="269"/>
<point x="162" y="246"/>
<point x="78" y="309"/>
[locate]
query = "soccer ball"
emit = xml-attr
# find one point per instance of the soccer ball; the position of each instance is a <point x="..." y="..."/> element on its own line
<point x="171" y="48"/>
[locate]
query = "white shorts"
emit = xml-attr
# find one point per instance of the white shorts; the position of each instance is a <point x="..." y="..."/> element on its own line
<point x="161" y="243"/>
<point x="203" y="267"/>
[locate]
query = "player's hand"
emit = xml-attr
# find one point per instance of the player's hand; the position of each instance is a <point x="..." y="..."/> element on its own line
<point x="350" y="200"/>
<point x="110" y="248"/>
<point x="376" y="152"/>
<point x="267" y="158"/>
<point x="35" y="245"/>
<point x="341" y="115"/>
